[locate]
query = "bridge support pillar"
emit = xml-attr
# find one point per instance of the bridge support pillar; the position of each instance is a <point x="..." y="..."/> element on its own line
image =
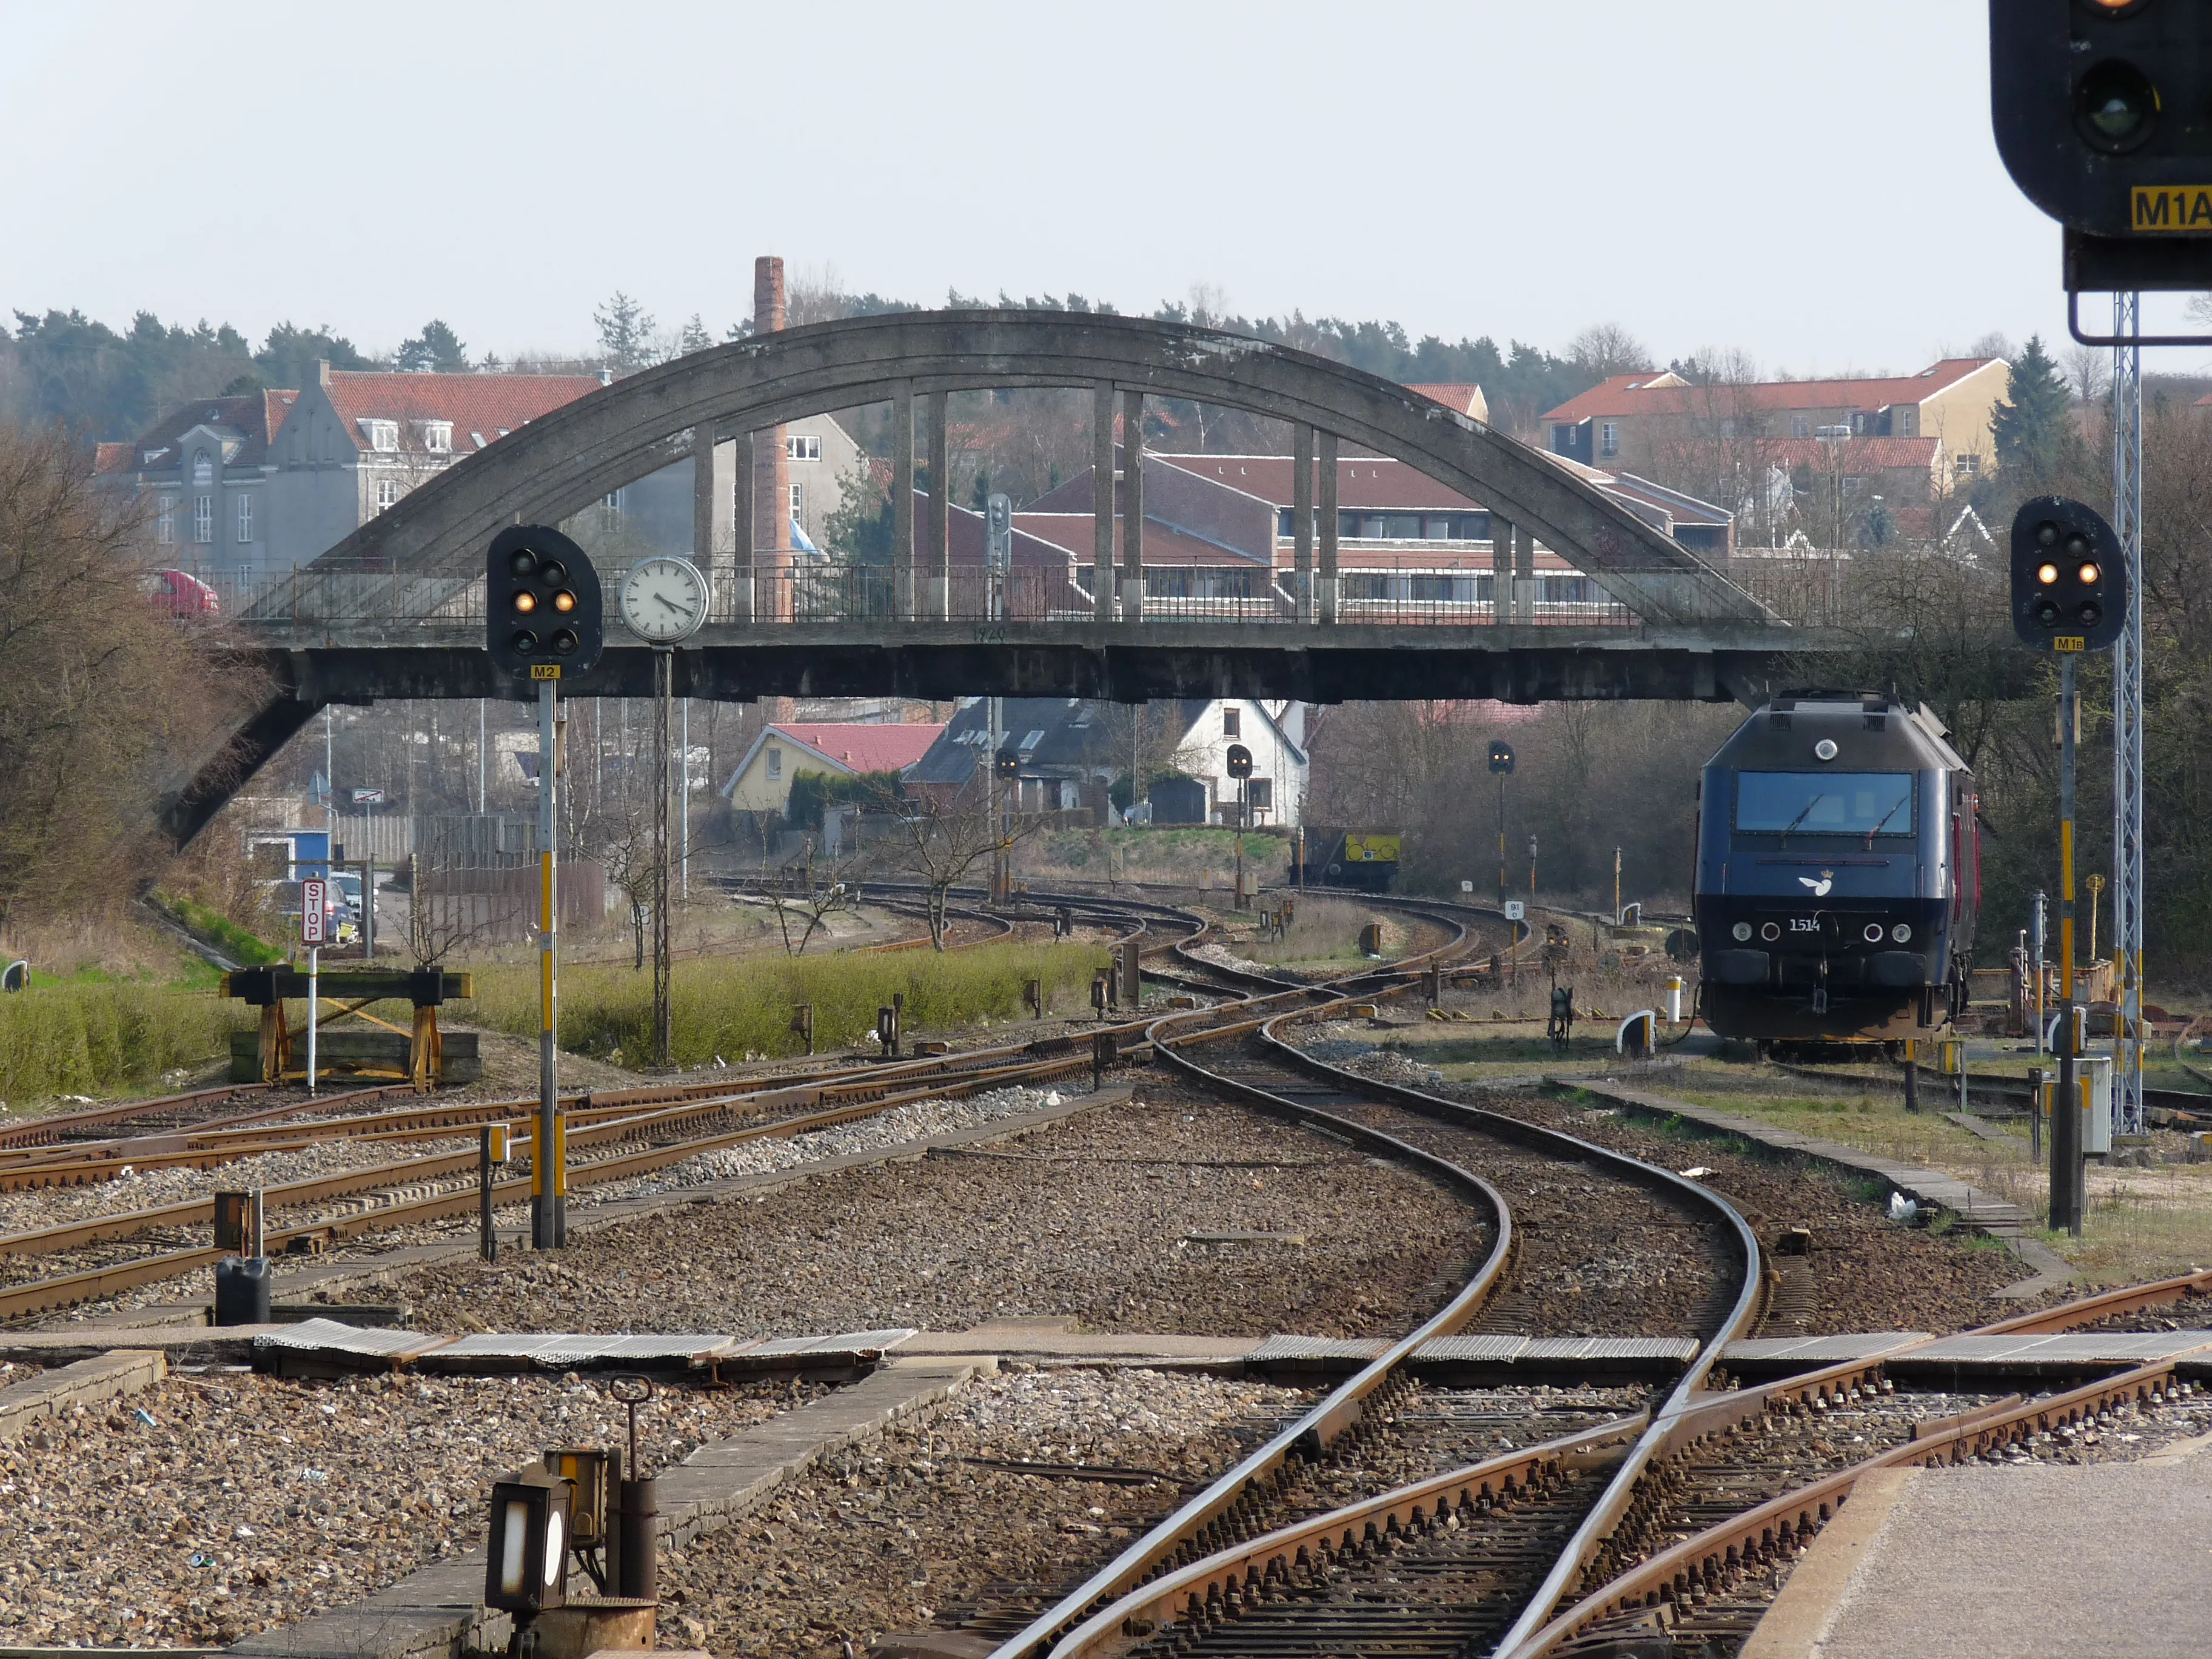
<point x="714" y="496"/>
<point x="1302" y="521"/>
<point x="902" y="500"/>
<point x="742" y="605"/>
<point x="1133" y="504"/>
<point x="1501" y="568"/>
<point x="1325" y="587"/>
<point x="1524" y="574"/>
<point x="1101" y="498"/>
<point x="938" y="543"/>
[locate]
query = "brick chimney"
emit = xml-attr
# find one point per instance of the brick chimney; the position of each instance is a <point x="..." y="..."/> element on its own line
<point x="771" y="461"/>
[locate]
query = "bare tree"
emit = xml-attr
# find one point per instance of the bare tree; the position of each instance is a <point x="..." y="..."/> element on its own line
<point x="942" y="839"/>
<point x="103" y="690"/>
<point x="807" y="898"/>
<point x="1605" y="349"/>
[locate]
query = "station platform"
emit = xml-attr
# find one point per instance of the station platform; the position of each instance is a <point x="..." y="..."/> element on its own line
<point x="2016" y="1562"/>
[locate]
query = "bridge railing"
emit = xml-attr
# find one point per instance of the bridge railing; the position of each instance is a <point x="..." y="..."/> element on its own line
<point x="831" y="591"/>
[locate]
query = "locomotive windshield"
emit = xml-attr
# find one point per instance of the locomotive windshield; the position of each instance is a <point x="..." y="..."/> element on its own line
<point x="1825" y="803"/>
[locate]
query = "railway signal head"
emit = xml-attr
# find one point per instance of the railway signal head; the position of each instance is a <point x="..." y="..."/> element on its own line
<point x="1240" y="761"/>
<point x="1501" y="756"/>
<point x="2102" y="110"/>
<point x="542" y="607"/>
<point x="1007" y="763"/>
<point x="526" y="1563"/>
<point x="2069" y="582"/>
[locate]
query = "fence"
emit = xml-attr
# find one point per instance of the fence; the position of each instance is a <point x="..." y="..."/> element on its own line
<point x="443" y="607"/>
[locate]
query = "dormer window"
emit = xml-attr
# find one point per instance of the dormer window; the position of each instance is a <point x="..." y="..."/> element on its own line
<point x="382" y="436"/>
<point x="147" y="458"/>
<point x="437" y="436"/>
<point x="202" y="468"/>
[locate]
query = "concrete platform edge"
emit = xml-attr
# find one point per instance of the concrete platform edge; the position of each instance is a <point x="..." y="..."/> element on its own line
<point x="103" y="1377"/>
<point x="1798" y="1622"/>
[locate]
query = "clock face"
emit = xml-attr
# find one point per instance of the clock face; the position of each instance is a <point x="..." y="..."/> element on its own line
<point x="663" y="600"/>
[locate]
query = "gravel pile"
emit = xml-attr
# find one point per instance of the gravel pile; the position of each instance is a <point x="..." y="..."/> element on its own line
<point x="222" y="1503"/>
<point x="901" y="1532"/>
<point x="1091" y="1217"/>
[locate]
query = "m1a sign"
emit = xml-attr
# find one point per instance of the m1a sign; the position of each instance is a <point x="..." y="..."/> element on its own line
<point x="314" y="911"/>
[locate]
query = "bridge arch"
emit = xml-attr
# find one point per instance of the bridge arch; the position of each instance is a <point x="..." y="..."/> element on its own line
<point x="561" y="463"/>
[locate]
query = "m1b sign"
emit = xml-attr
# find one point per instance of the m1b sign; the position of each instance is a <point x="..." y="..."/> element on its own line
<point x="314" y="910"/>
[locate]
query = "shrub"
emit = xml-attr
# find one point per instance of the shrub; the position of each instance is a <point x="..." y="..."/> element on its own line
<point x="734" y="1007"/>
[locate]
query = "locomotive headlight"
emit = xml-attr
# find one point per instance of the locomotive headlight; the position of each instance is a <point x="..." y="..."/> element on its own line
<point x="1873" y="933"/>
<point x="1771" y="931"/>
<point x="1743" y="931"/>
<point x="1902" y="933"/>
<point x="1826" y="749"/>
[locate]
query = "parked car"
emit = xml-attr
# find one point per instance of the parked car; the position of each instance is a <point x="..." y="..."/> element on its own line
<point x="180" y="593"/>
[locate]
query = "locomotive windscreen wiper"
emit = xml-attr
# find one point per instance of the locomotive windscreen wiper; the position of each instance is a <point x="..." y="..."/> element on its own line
<point x="1802" y="815"/>
<point x="1887" y="816"/>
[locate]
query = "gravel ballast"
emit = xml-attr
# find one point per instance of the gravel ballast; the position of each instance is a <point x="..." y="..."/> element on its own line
<point x="1867" y="1273"/>
<point x="1103" y="1218"/>
<point x="901" y="1531"/>
<point x="219" y="1505"/>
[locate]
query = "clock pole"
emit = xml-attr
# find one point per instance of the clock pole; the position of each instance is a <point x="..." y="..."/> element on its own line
<point x="664" y="676"/>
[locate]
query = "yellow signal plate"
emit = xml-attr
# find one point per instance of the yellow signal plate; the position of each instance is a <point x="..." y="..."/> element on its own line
<point x="2070" y="642"/>
<point x="545" y="670"/>
<point x="2171" y="211"/>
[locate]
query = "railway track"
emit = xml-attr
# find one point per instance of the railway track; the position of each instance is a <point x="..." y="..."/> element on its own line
<point x="673" y="1122"/>
<point x="1660" y="1527"/>
<point x="1317" y="1488"/>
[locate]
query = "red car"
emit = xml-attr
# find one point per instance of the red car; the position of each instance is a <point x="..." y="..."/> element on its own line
<point x="180" y="594"/>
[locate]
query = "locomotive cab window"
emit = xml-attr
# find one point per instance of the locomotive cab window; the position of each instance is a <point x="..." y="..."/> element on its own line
<point x="1824" y="803"/>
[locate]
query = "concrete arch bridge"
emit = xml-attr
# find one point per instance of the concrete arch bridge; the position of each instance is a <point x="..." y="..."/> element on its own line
<point x="396" y="609"/>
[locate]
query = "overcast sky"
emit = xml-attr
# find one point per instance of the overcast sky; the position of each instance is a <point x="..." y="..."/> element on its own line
<point x="1815" y="183"/>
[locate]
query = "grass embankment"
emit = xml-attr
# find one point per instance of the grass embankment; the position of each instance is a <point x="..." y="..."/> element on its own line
<point x="88" y="1036"/>
<point x="213" y="928"/>
<point x="732" y="1008"/>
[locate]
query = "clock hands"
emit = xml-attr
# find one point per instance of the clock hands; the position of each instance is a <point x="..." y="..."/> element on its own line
<point x="663" y="598"/>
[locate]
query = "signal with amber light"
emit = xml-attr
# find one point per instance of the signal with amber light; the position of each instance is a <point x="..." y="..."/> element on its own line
<point x="533" y="571"/>
<point x="2068" y="581"/>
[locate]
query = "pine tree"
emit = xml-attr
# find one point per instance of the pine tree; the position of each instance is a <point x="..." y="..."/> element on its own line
<point x="2033" y="426"/>
<point x="436" y="350"/>
<point x="625" y="333"/>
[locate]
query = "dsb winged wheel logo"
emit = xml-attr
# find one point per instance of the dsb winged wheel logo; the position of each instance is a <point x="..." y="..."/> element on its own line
<point x="1820" y="887"/>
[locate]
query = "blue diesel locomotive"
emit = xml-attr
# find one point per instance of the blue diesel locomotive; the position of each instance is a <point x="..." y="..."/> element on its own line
<point x="1838" y="871"/>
